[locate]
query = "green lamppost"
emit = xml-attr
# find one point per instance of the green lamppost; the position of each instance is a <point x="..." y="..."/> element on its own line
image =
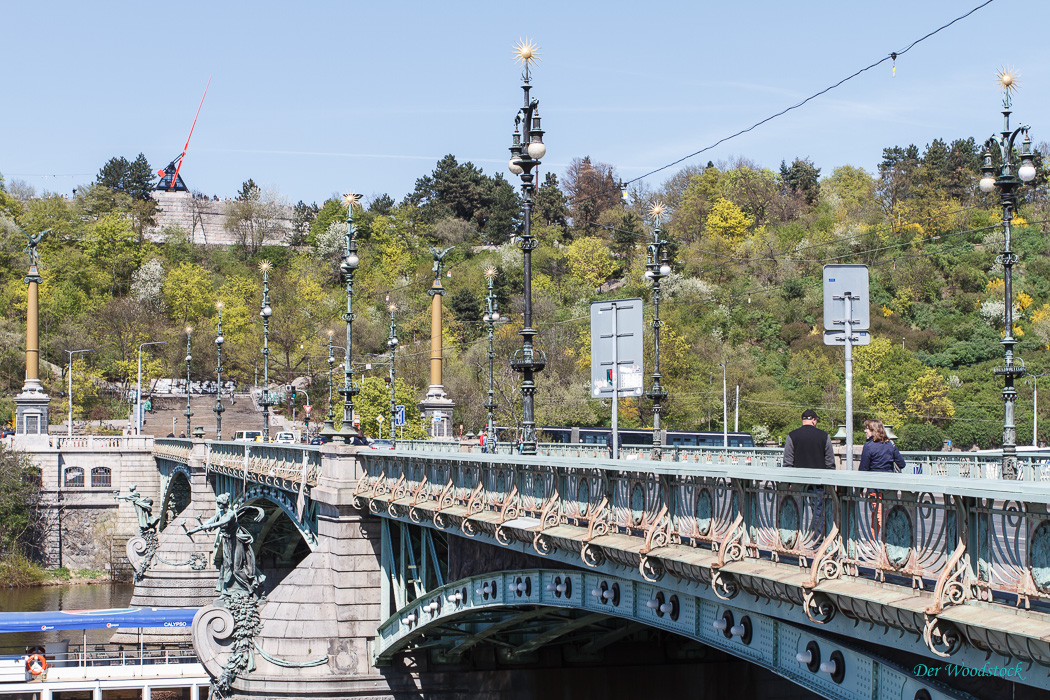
<point x="392" y="344"/>
<point x="219" y="340"/>
<point x="1006" y="180"/>
<point x="525" y="152"/>
<point x="265" y="312"/>
<point x="491" y="318"/>
<point x="188" y="412"/>
<point x="656" y="268"/>
<point x="348" y="267"/>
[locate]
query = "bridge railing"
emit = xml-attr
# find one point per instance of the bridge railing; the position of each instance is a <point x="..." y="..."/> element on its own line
<point x="174" y="449"/>
<point x="1034" y="466"/>
<point x="286" y="466"/>
<point x="961" y="537"/>
<point x="103" y="443"/>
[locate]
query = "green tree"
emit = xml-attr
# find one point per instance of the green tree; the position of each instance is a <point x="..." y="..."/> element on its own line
<point x="332" y="211"/>
<point x="114" y="247"/>
<point x="591" y="188"/>
<point x="19" y="495"/>
<point x="590" y="261"/>
<point x="927" y="398"/>
<point x="254" y="219"/>
<point x="728" y="221"/>
<point x="551" y="206"/>
<point x="374" y="400"/>
<point x="188" y="293"/>
<point x="134" y="178"/>
<point x="802" y="179"/>
<point x="302" y="216"/>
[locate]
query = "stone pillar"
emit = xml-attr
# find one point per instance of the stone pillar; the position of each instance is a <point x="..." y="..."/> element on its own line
<point x="31" y="405"/>
<point x="317" y="624"/>
<point x="181" y="572"/>
<point x="437" y="406"/>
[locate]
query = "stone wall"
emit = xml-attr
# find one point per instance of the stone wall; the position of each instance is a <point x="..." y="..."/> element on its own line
<point x="86" y="527"/>
<point x="203" y="218"/>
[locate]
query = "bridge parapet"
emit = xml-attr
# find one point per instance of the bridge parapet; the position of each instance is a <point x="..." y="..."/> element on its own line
<point x="289" y="467"/>
<point x="948" y="559"/>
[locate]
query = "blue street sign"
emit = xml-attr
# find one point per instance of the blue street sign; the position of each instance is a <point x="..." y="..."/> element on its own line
<point x="399" y="415"/>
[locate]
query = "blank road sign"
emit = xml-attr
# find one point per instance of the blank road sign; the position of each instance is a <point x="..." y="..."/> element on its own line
<point x="840" y="280"/>
<point x="626" y="316"/>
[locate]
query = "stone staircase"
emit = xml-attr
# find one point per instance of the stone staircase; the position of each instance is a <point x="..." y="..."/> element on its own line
<point x="242" y="415"/>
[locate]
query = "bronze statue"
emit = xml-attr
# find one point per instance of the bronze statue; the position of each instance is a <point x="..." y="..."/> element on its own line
<point x="233" y="555"/>
<point x="34" y="256"/>
<point x="143" y="509"/>
<point x="438" y="258"/>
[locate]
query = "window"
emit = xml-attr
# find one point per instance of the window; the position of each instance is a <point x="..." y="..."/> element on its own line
<point x="74" y="478"/>
<point x="100" y="478"/>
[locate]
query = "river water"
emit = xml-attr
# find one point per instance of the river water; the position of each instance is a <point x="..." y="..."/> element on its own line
<point x="78" y="597"/>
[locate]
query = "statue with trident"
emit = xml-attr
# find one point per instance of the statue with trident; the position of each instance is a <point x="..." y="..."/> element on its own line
<point x="233" y="555"/>
<point x="34" y="256"/>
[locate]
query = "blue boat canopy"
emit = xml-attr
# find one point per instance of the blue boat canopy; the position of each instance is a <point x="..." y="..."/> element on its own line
<point x="96" y="619"/>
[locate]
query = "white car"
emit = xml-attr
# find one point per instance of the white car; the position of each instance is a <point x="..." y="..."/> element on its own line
<point x="285" y="438"/>
<point x="247" y="436"/>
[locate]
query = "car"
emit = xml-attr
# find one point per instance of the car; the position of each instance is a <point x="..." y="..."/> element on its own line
<point x="285" y="438"/>
<point x="319" y="440"/>
<point x="381" y="445"/>
<point x="247" y="436"/>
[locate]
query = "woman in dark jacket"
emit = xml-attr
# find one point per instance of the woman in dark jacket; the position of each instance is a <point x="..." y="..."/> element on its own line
<point x="879" y="453"/>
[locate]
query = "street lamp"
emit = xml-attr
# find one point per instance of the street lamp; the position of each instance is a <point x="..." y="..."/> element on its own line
<point x="392" y="343"/>
<point x="265" y="312"/>
<point x="656" y="268"/>
<point x="491" y="318"/>
<point x="138" y="389"/>
<point x="525" y="154"/>
<point x="1035" y="405"/>
<point x="219" y="340"/>
<point x="348" y="267"/>
<point x="1006" y="183"/>
<point x="70" y="379"/>
<point x="188" y="412"/>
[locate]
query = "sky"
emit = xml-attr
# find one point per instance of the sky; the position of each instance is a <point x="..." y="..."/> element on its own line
<point x="313" y="99"/>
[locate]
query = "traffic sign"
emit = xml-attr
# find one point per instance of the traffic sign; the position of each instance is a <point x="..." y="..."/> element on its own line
<point x="839" y="338"/>
<point x="306" y="408"/>
<point x="379" y="419"/>
<point x="399" y="415"/>
<point x="840" y="282"/>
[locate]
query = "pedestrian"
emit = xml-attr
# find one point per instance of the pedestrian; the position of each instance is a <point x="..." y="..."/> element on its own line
<point x="481" y="441"/>
<point x="809" y="447"/>
<point x="879" y="455"/>
<point x="521" y="445"/>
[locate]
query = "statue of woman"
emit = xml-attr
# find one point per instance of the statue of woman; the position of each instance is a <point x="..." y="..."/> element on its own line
<point x="233" y="554"/>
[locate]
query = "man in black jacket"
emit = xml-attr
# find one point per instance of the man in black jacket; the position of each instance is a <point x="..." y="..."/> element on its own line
<point x="809" y="447"/>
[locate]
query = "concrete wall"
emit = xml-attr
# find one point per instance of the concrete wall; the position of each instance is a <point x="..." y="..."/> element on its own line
<point x="87" y="527"/>
<point x="203" y="218"/>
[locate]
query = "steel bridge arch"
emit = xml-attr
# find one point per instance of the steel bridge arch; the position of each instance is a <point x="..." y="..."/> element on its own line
<point x="170" y="473"/>
<point x="460" y="615"/>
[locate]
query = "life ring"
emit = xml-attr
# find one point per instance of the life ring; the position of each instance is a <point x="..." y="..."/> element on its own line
<point x="36" y="664"/>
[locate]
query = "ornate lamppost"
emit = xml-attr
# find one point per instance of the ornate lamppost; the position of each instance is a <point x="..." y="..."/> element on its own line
<point x="491" y="318"/>
<point x="329" y="423"/>
<point x="525" y="152"/>
<point x="392" y="343"/>
<point x="348" y="267"/>
<point x="188" y="412"/>
<point x="1004" y="180"/>
<point x="266" y="312"/>
<point x="656" y="268"/>
<point x="219" y="408"/>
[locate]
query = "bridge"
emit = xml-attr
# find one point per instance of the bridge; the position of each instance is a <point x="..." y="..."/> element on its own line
<point x="432" y="569"/>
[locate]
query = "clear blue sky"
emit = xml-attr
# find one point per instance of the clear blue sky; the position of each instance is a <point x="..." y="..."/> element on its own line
<point x="317" y="98"/>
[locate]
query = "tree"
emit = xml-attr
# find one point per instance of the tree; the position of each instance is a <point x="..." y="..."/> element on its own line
<point x="590" y="261"/>
<point x="112" y="245"/>
<point x="802" y="179"/>
<point x="382" y="205"/>
<point x="464" y="192"/>
<point x="19" y="495"/>
<point x="374" y="400"/>
<point x="133" y="178"/>
<point x="188" y="292"/>
<point x="331" y="211"/>
<point x="254" y="218"/>
<point x="927" y="398"/>
<point x="591" y="188"/>
<point x="302" y="216"/>
<point x="728" y="221"/>
<point x="551" y="206"/>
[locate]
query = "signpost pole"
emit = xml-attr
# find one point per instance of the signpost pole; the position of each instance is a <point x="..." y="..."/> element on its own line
<point x="848" y="301"/>
<point x="616" y="388"/>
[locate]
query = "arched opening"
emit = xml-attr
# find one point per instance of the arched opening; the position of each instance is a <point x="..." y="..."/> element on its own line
<point x="176" y="499"/>
<point x="279" y="544"/>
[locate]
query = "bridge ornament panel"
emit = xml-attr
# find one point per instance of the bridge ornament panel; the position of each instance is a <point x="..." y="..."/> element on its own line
<point x="524" y="610"/>
<point x="957" y="567"/>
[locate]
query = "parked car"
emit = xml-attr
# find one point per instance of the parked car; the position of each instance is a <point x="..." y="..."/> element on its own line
<point x="247" y="436"/>
<point x="319" y="440"/>
<point x="381" y="445"/>
<point x="285" y="438"/>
